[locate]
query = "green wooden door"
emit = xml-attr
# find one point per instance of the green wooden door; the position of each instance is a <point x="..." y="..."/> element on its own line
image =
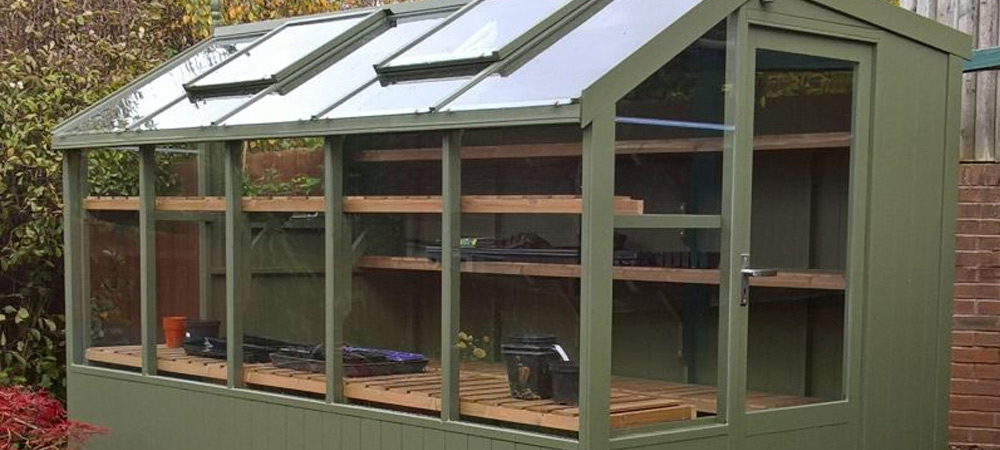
<point x="797" y="327"/>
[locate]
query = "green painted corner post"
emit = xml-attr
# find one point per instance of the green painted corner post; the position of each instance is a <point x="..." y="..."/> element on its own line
<point x="946" y="283"/>
<point x="76" y="328"/>
<point x="237" y="275"/>
<point x="147" y="257"/>
<point x="597" y="251"/>
<point x="737" y="170"/>
<point x="451" y="272"/>
<point x="83" y="258"/>
<point x="338" y="264"/>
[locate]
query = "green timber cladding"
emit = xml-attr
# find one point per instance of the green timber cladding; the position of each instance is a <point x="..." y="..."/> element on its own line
<point x="874" y="365"/>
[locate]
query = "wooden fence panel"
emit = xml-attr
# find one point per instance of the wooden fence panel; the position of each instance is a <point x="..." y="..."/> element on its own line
<point x="980" y="121"/>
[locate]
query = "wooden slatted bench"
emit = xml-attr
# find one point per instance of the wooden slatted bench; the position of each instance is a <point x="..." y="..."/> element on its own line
<point x="483" y="390"/>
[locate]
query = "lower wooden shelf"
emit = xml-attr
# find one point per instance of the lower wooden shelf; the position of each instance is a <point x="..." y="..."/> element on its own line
<point x="483" y="390"/>
<point x="483" y="395"/>
<point x="786" y="279"/>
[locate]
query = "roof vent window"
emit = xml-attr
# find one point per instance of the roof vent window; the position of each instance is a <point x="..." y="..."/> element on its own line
<point x="481" y="33"/>
<point x="277" y="55"/>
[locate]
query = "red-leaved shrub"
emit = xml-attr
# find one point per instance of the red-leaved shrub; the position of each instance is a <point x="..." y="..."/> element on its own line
<point x="34" y="420"/>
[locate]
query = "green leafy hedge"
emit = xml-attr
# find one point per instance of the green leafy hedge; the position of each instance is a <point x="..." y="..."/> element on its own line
<point x="56" y="58"/>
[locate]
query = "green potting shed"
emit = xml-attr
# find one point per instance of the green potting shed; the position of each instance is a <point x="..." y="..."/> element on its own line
<point x="734" y="218"/>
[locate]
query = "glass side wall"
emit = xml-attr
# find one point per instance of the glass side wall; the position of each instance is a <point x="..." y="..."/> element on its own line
<point x="519" y="335"/>
<point x="111" y="246"/>
<point x="392" y="322"/>
<point x="189" y="258"/>
<point x="669" y="146"/>
<point x="795" y="344"/>
<point x="283" y="313"/>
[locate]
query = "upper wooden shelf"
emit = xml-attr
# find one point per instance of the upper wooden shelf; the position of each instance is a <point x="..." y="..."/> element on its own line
<point x="471" y="204"/>
<point x="786" y="279"/>
<point x="808" y="141"/>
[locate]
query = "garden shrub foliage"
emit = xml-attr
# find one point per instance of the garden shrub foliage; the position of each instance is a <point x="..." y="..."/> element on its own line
<point x="57" y="57"/>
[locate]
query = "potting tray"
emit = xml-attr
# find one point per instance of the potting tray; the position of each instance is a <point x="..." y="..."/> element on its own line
<point x="358" y="361"/>
<point x="483" y="390"/>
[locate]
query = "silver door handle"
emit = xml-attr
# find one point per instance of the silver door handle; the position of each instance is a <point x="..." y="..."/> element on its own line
<point x="759" y="272"/>
<point x="748" y="273"/>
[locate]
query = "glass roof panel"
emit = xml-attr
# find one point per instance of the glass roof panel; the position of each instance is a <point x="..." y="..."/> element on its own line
<point x="278" y="51"/>
<point x="479" y="32"/>
<point x="148" y="97"/>
<point x="400" y="98"/>
<point x="337" y="81"/>
<point x="188" y="113"/>
<point x="578" y="59"/>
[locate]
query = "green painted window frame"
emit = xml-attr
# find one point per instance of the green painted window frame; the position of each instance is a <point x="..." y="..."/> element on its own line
<point x="861" y="52"/>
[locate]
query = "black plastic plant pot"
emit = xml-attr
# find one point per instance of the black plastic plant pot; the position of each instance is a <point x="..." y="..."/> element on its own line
<point x="528" y="358"/>
<point x="200" y="329"/>
<point x="565" y="382"/>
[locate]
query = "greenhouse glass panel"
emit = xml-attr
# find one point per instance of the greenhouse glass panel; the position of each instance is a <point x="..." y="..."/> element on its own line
<point x="563" y="70"/>
<point x="400" y="98"/>
<point x="337" y="80"/>
<point x="283" y="311"/>
<point x="147" y="98"/>
<point x="278" y="51"/>
<point x="478" y="33"/>
<point x="111" y="237"/>
<point x="187" y="113"/>
<point x="392" y="321"/>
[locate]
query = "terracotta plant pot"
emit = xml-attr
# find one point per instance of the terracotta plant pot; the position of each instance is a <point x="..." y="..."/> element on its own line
<point x="173" y="330"/>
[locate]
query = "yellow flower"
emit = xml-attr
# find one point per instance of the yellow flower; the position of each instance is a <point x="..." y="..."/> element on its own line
<point x="479" y="353"/>
<point x="461" y="345"/>
<point x="486" y="339"/>
<point x="462" y="336"/>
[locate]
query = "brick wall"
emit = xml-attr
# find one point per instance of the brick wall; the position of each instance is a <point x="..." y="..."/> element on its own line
<point x="975" y="369"/>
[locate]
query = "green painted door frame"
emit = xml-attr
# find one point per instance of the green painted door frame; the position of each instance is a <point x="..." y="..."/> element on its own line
<point x="847" y="411"/>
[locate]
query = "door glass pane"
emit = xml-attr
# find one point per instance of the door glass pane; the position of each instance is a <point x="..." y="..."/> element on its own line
<point x="799" y="226"/>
